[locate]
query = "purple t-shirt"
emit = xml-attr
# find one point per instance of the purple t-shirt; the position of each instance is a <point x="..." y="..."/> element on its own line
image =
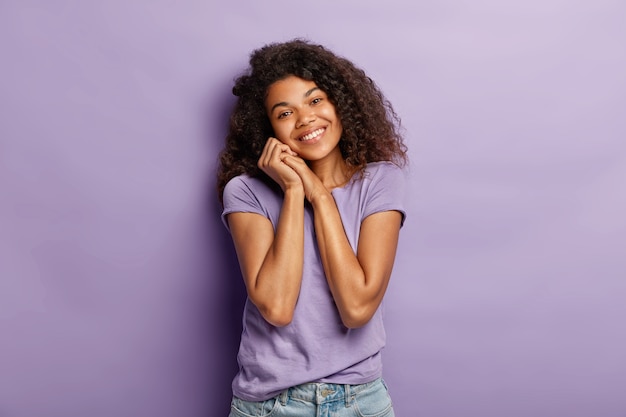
<point x="315" y="346"/>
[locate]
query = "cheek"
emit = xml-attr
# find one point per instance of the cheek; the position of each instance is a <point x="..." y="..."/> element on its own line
<point x="339" y="126"/>
<point x="330" y="113"/>
<point x="280" y="131"/>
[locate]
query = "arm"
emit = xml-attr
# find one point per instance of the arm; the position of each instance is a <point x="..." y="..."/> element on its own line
<point x="271" y="263"/>
<point x="358" y="283"/>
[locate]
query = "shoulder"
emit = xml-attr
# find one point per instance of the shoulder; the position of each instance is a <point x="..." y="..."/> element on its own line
<point x="247" y="184"/>
<point x="384" y="172"/>
<point x="243" y="180"/>
<point x="246" y="193"/>
<point x="384" y="188"/>
<point x="247" y="190"/>
<point x="382" y="167"/>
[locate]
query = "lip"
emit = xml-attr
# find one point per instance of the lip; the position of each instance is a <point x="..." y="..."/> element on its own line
<point x="308" y="132"/>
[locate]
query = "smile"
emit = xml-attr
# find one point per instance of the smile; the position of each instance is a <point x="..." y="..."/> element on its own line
<point x="312" y="135"/>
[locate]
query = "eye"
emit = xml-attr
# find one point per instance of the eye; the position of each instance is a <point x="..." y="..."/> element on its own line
<point x="316" y="100"/>
<point x="283" y="114"/>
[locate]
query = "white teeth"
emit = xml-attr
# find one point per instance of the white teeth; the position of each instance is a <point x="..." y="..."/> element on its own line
<point x="312" y="135"/>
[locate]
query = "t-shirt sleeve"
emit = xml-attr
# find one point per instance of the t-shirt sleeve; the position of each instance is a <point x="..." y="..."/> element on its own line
<point x="387" y="191"/>
<point x="238" y="197"/>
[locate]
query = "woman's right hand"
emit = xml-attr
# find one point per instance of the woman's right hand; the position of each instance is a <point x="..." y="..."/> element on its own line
<point x="271" y="162"/>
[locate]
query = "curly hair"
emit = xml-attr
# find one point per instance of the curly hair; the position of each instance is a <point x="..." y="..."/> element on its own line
<point x="371" y="128"/>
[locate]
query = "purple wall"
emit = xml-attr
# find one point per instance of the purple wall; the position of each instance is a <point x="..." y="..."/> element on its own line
<point x="119" y="291"/>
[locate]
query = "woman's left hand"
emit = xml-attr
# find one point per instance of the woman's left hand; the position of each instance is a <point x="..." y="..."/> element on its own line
<point x="311" y="183"/>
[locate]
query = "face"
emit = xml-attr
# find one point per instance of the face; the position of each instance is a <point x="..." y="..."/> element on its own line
<point x="303" y="118"/>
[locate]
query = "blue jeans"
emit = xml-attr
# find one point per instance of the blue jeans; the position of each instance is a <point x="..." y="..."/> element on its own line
<point x="321" y="400"/>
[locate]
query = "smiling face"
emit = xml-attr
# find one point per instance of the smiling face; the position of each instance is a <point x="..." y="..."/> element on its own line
<point x="303" y="118"/>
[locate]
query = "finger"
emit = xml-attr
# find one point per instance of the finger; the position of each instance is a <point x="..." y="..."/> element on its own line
<point x="266" y="154"/>
<point x="295" y="163"/>
<point x="277" y="153"/>
<point x="290" y="151"/>
<point x="283" y="146"/>
<point x="282" y="151"/>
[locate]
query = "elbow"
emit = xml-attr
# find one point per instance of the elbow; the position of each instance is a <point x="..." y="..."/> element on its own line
<point x="357" y="317"/>
<point x="279" y="321"/>
<point x="276" y="311"/>
<point x="278" y="317"/>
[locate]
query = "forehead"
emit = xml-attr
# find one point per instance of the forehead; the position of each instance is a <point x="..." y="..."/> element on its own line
<point x="289" y="89"/>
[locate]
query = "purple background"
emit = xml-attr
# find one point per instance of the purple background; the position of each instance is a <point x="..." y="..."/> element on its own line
<point x="119" y="294"/>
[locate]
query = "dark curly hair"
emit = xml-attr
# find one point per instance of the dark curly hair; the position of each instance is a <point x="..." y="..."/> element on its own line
<point x="371" y="128"/>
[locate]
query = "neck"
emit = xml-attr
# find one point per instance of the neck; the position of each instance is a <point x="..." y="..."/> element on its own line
<point x="333" y="172"/>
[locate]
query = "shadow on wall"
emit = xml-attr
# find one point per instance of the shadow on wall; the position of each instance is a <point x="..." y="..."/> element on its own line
<point x="225" y="315"/>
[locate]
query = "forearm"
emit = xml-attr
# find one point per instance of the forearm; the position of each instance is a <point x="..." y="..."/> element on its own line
<point x="277" y="285"/>
<point x="355" y="299"/>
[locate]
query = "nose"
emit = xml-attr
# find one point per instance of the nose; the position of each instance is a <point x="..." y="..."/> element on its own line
<point x="305" y="119"/>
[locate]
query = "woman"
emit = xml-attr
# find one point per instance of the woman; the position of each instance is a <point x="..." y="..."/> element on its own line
<point x="311" y="185"/>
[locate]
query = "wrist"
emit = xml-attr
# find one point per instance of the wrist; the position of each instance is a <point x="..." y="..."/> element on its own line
<point x="294" y="189"/>
<point x="320" y="197"/>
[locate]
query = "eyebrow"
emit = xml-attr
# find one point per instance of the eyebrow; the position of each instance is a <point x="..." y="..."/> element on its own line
<point x="284" y="103"/>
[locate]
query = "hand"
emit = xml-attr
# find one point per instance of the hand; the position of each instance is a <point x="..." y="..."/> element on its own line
<point x="310" y="181"/>
<point x="272" y="163"/>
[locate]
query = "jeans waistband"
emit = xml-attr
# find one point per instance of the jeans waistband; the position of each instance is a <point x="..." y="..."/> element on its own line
<point x="319" y="392"/>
